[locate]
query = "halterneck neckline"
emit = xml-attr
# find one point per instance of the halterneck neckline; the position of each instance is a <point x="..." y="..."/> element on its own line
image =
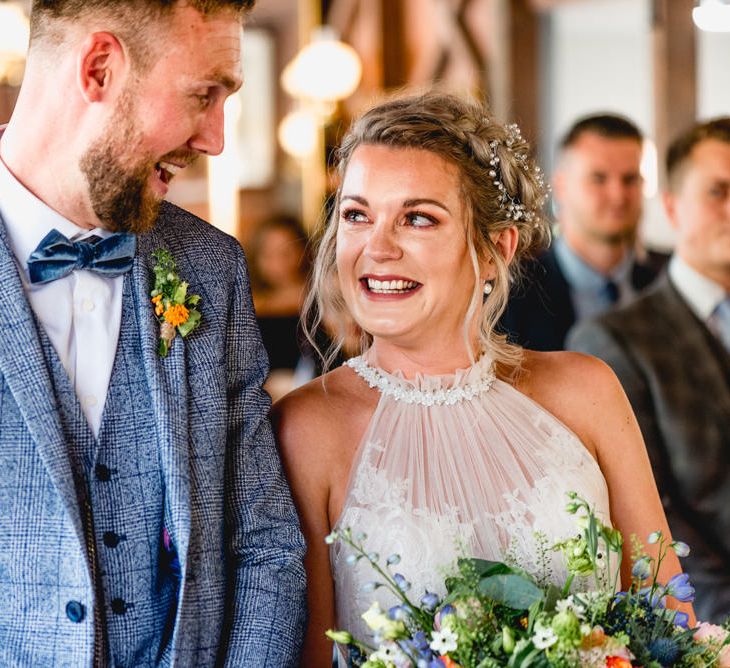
<point x="428" y="390"/>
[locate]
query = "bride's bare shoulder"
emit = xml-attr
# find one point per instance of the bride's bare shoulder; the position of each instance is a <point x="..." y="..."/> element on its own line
<point x="323" y="411"/>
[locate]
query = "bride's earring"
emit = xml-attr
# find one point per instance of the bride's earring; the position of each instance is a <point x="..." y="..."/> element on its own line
<point x="488" y="287"/>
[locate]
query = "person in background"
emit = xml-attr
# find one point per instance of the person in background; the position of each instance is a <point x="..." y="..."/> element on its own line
<point x="671" y="352"/>
<point x="144" y="516"/>
<point x="279" y="268"/>
<point x="591" y="265"/>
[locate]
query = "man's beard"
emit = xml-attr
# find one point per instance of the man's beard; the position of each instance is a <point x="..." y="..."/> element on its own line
<point x="120" y="196"/>
<point x="119" y="189"/>
<point x="119" y="192"/>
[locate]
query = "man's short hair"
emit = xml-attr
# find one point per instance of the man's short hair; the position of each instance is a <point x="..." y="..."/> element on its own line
<point x="125" y="17"/>
<point x="681" y="148"/>
<point x="609" y="126"/>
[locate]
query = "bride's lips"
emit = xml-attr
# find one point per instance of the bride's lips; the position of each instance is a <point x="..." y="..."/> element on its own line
<point x="388" y="287"/>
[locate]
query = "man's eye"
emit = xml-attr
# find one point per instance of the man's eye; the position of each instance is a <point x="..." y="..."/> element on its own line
<point x="203" y="100"/>
<point x="354" y="216"/>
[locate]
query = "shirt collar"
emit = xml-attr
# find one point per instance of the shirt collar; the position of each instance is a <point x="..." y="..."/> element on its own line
<point x="701" y="293"/>
<point x="584" y="278"/>
<point x="28" y="219"/>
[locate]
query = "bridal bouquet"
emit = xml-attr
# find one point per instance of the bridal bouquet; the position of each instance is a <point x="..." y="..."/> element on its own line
<point x="495" y="615"/>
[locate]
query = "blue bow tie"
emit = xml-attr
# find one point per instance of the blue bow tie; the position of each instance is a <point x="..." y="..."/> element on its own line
<point x="56" y="256"/>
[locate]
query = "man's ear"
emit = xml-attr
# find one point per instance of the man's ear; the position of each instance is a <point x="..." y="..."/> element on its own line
<point x="506" y="243"/>
<point x="102" y="65"/>
<point x="669" y="201"/>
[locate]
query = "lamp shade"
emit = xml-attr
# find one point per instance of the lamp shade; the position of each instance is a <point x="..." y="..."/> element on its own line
<point x="325" y="70"/>
<point x="712" y="16"/>
<point x="298" y="133"/>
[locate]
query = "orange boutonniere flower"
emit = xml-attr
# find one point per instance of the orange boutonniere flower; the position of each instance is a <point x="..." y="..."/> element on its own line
<point x="175" y="309"/>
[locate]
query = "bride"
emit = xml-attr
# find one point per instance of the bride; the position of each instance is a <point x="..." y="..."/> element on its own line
<point x="442" y="439"/>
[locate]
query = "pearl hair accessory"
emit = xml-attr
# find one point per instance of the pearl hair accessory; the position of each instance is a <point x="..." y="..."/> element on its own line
<point x="514" y="209"/>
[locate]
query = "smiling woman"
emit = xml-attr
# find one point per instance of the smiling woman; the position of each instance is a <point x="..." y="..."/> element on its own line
<point x="441" y="438"/>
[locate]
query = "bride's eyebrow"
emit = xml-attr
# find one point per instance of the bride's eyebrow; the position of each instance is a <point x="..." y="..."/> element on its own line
<point x="355" y="198"/>
<point x="425" y="200"/>
<point x="406" y="203"/>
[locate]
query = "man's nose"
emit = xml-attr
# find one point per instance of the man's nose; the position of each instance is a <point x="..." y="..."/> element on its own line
<point x="208" y="137"/>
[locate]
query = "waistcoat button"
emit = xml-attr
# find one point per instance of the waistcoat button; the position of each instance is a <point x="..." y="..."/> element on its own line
<point x="112" y="539"/>
<point x="103" y="473"/>
<point x="119" y="606"/>
<point x="75" y="611"/>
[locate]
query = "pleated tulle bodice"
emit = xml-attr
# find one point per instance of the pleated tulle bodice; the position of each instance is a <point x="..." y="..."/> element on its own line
<point x="458" y="465"/>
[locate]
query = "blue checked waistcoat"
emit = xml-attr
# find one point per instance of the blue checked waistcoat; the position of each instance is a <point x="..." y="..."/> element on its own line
<point x="185" y="445"/>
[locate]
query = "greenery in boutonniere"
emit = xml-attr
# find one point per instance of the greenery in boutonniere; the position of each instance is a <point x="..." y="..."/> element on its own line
<point x="174" y="307"/>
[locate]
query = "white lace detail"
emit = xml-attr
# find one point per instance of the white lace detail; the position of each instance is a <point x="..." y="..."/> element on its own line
<point x="484" y="474"/>
<point x="401" y="390"/>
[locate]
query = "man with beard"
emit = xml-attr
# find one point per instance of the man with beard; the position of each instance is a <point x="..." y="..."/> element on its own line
<point x="591" y="265"/>
<point x="671" y="352"/>
<point x="144" y="517"/>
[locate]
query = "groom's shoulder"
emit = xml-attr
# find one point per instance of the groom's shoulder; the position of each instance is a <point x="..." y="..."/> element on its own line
<point x="182" y="228"/>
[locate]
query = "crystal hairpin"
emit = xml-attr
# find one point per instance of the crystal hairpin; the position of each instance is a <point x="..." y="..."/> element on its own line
<point x="512" y="206"/>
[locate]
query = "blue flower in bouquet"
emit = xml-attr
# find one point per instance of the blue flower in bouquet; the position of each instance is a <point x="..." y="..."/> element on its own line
<point x="665" y="651"/>
<point x="680" y="588"/>
<point x="642" y="568"/>
<point x="430" y="601"/>
<point x="401" y="582"/>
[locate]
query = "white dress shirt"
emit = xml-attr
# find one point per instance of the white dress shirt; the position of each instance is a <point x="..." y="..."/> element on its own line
<point x="702" y="294"/>
<point x="81" y="312"/>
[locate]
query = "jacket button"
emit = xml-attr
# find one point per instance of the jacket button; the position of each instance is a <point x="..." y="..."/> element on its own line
<point x="75" y="611"/>
<point x="103" y="473"/>
<point x="119" y="606"/>
<point x="112" y="539"/>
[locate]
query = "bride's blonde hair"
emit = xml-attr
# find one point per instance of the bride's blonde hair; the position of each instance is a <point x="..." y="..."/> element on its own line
<point x="500" y="184"/>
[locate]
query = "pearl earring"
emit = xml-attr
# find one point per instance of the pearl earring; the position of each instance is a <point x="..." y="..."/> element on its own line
<point x="488" y="287"/>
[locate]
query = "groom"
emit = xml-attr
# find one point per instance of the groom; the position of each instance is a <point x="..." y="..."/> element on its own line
<point x="144" y="518"/>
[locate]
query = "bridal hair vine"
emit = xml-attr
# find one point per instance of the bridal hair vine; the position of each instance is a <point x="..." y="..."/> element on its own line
<point x="511" y="204"/>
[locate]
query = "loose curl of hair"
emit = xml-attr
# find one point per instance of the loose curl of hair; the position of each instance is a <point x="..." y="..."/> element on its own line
<point x="465" y="134"/>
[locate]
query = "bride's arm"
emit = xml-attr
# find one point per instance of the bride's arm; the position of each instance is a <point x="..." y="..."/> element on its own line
<point x="587" y="396"/>
<point x="303" y="440"/>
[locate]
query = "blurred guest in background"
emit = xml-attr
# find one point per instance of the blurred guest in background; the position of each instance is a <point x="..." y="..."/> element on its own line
<point x="671" y="351"/>
<point x="591" y="265"/>
<point x="279" y="268"/>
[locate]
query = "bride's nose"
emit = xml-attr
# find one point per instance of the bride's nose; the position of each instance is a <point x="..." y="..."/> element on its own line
<point x="382" y="243"/>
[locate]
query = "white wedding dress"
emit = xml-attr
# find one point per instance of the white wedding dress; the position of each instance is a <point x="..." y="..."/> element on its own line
<point x="458" y="465"/>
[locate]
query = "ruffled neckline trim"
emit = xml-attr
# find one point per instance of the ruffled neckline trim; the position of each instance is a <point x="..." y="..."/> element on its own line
<point x="427" y="390"/>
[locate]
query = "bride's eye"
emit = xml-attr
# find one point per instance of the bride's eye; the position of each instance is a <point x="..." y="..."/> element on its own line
<point x="353" y="216"/>
<point x="419" y="219"/>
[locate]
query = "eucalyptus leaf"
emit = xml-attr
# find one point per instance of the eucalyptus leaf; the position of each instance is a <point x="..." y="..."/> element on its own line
<point x="511" y="590"/>
<point x="484" y="568"/>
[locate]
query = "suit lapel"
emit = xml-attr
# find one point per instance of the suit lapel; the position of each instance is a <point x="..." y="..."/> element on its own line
<point x="692" y="343"/>
<point x="23" y="365"/>
<point x="167" y="380"/>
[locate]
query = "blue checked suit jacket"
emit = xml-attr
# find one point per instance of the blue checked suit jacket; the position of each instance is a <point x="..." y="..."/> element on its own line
<point x="241" y="596"/>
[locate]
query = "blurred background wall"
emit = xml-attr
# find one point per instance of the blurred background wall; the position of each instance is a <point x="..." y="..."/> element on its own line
<point x="540" y="63"/>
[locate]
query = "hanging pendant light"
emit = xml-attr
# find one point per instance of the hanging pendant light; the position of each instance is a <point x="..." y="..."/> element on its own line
<point x="712" y="15"/>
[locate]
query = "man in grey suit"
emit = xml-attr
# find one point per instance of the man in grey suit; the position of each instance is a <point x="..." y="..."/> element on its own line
<point x="144" y="517"/>
<point x="671" y="351"/>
